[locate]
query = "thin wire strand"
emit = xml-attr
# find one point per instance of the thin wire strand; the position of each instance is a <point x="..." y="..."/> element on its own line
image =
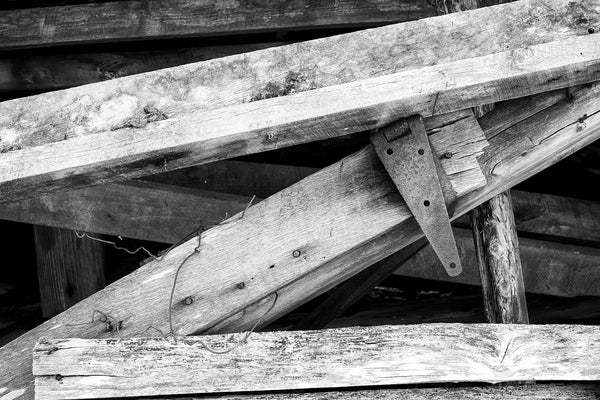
<point x="141" y="248"/>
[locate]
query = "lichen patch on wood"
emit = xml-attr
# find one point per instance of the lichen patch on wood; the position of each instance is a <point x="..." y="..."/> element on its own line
<point x="293" y="82"/>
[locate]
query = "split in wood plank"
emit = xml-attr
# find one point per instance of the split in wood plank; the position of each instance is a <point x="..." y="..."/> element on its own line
<point x="302" y="241"/>
<point x="199" y="87"/>
<point x="140" y="20"/>
<point x="304" y="117"/>
<point x="330" y="358"/>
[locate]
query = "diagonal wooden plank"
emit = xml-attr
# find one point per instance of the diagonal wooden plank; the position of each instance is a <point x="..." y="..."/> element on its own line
<point x="300" y="242"/>
<point x="289" y="120"/>
<point x="320" y="63"/>
<point x="140" y="20"/>
<point x="330" y="358"/>
<point x="355" y="288"/>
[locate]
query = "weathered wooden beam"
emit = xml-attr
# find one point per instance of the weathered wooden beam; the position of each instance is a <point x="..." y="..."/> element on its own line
<point x="69" y="269"/>
<point x="198" y="87"/>
<point x="499" y="261"/>
<point x="165" y="213"/>
<point x="461" y="309"/>
<point x="302" y="241"/>
<point x="173" y="214"/>
<point x="557" y="391"/>
<point x="557" y="218"/>
<point x="50" y="72"/>
<point x="140" y="20"/>
<point x="355" y="288"/>
<point x="299" y="118"/>
<point x="347" y="357"/>
<point x="134" y="209"/>
<point x="548" y="267"/>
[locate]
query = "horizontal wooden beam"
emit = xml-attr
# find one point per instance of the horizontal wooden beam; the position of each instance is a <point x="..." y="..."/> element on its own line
<point x="548" y="267"/>
<point x="135" y="150"/>
<point x="135" y="209"/>
<point x="460" y="309"/>
<point x="299" y="242"/>
<point x="346" y="357"/>
<point x="198" y="87"/>
<point x="50" y="72"/>
<point x="140" y="20"/>
<point x="538" y="391"/>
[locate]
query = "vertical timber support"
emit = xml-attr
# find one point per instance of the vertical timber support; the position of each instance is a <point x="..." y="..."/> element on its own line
<point x="497" y="248"/>
<point x="495" y="235"/>
<point x="69" y="269"/>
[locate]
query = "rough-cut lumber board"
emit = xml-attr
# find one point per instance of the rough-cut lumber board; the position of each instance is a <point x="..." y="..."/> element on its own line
<point x="108" y="209"/>
<point x="134" y="209"/>
<point x="69" y="269"/>
<point x="499" y="261"/>
<point x="212" y="84"/>
<point x="316" y="217"/>
<point x="164" y="213"/>
<point x="299" y="118"/>
<point x="236" y="177"/>
<point x="51" y="72"/>
<point x="557" y="218"/>
<point x="548" y="267"/>
<point x="355" y="288"/>
<point x="513" y="155"/>
<point x="137" y="19"/>
<point x="347" y="357"/>
<point x="545" y="391"/>
<point x="465" y="309"/>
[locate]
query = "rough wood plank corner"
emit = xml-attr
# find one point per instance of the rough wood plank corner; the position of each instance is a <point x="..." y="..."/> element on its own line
<point x="347" y="357"/>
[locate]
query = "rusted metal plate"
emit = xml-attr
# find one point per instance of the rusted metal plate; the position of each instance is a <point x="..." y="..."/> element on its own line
<point x="404" y="150"/>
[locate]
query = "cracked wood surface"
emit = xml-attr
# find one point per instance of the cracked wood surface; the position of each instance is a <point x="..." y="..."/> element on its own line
<point x="193" y="88"/>
<point x="303" y="117"/>
<point x="295" y="243"/>
<point x="161" y="19"/>
<point x="331" y="358"/>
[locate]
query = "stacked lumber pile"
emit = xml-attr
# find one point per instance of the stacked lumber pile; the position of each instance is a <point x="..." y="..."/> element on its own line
<point x="127" y="149"/>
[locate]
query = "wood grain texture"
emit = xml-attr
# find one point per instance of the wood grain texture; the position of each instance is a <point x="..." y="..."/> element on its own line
<point x="51" y="72"/>
<point x="109" y="209"/>
<point x="548" y="267"/>
<point x="69" y="269"/>
<point x="303" y="117"/>
<point x="464" y="309"/>
<point x="135" y="20"/>
<point x="499" y="261"/>
<point x="134" y="209"/>
<point x="355" y="288"/>
<point x="557" y="218"/>
<point x="198" y="87"/>
<point x="334" y="242"/>
<point x="236" y="177"/>
<point x="545" y="391"/>
<point x="346" y="357"/>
